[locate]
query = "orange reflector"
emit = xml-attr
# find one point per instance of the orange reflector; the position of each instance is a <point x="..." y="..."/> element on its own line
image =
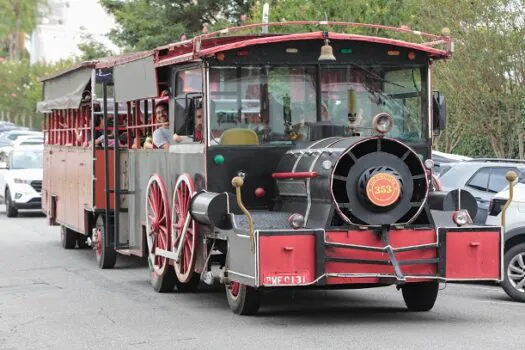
<point x="411" y="55"/>
<point x="393" y="53"/>
<point x="220" y="56"/>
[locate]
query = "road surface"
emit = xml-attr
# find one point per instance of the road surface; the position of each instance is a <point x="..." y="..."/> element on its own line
<point x="51" y="298"/>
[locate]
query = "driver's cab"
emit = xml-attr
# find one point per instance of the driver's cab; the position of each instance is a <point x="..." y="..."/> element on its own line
<point x="186" y="105"/>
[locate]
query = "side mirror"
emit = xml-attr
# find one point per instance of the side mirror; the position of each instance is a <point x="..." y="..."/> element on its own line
<point x="439" y="112"/>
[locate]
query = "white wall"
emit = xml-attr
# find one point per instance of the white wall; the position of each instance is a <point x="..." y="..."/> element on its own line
<point x="61" y="31"/>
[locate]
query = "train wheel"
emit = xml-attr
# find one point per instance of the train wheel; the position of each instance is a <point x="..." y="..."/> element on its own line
<point x="185" y="243"/>
<point x="105" y="253"/>
<point x="158" y="225"/>
<point x="420" y="296"/>
<point x="243" y="300"/>
<point x="68" y="237"/>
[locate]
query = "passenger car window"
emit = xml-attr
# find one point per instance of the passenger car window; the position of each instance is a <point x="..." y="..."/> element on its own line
<point x="480" y="180"/>
<point x="497" y="179"/>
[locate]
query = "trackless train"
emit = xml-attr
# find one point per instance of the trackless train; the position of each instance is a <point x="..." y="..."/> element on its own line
<point x="295" y="160"/>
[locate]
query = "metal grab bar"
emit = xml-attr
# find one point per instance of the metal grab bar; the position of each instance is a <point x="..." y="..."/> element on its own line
<point x="237" y="182"/>
<point x="512" y="178"/>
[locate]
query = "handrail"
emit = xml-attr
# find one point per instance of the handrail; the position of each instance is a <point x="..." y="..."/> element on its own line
<point x="237" y="182"/>
<point x="512" y="178"/>
<point x="433" y="38"/>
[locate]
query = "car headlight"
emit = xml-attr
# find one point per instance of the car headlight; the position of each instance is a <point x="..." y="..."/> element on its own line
<point x="21" y="181"/>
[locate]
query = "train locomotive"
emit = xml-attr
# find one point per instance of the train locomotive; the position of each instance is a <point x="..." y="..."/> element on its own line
<point x="313" y="171"/>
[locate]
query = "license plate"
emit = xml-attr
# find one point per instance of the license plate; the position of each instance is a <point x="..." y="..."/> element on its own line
<point x="285" y="279"/>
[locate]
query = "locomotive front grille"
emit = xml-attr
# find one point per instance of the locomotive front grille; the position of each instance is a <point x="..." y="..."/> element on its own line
<point x="37" y="185"/>
<point x="379" y="181"/>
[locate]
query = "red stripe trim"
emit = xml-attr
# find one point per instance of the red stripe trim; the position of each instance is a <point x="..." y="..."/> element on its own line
<point x="298" y="175"/>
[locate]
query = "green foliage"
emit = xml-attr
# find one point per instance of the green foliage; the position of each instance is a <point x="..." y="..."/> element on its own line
<point x="20" y="89"/>
<point x="92" y="49"/>
<point x="146" y="24"/>
<point x="17" y="16"/>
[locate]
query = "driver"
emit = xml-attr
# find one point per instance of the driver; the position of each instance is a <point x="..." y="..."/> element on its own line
<point x="197" y="134"/>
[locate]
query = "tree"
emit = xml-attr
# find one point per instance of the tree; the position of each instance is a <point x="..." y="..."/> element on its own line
<point x="484" y="81"/>
<point x="146" y="24"/>
<point x="486" y="74"/>
<point x="92" y="49"/>
<point x="18" y="16"/>
<point x="21" y="90"/>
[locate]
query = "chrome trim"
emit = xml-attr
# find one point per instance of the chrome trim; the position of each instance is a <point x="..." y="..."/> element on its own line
<point x="384" y="248"/>
<point x="230" y="272"/>
<point x="502" y="254"/>
<point x="92" y="136"/>
<point x="257" y="272"/>
<point x="430" y="101"/>
<point x="308" y="192"/>
<point x="206" y="101"/>
<point x="302" y="152"/>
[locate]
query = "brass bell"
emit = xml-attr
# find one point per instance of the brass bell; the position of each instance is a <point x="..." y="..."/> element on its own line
<point x="327" y="52"/>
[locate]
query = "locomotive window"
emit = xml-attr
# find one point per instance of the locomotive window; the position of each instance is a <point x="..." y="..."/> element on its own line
<point x="280" y="103"/>
<point x="188" y="85"/>
<point x="269" y="100"/>
<point x="480" y="180"/>
<point x="368" y="90"/>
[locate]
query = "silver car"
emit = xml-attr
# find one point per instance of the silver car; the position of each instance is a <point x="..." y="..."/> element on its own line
<point x="482" y="177"/>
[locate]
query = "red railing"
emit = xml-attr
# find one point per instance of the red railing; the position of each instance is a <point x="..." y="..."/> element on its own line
<point x="72" y="127"/>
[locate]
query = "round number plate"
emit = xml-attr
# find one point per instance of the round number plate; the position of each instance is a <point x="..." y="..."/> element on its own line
<point x="383" y="189"/>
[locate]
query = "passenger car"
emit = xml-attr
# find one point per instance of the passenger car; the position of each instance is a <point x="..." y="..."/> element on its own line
<point x="483" y="177"/>
<point x="514" y="231"/>
<point x="21" y="173"/>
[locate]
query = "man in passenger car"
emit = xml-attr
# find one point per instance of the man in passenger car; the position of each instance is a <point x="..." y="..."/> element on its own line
<point x="101" y="141"/>
<point x="161" y="136"/>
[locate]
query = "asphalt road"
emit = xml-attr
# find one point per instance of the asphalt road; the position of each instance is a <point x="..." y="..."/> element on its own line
<point x="51" y="298"/>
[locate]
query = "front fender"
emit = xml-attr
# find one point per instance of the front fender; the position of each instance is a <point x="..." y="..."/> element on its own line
<point x="512" y="237"/>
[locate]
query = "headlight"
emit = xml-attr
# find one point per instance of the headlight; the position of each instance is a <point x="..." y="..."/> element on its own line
<point x="296" y="221"/>
<point x="429" y="163"/>
<point x="461" y="217"/>
<point x="382" y="123"/>
<point x="21" y="181"/>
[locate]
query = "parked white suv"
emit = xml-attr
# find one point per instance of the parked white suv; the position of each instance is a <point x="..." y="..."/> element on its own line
<point x="21" y="172"/>
<point x="514" y="235"/>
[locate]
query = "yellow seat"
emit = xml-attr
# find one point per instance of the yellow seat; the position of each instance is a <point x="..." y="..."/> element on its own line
<point x="239" y="136"/>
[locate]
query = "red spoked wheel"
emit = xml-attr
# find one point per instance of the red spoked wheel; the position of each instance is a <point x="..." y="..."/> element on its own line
<point x="158" y="233"/>
<point x="185" y="234"/>
<point x="234" y="289"/>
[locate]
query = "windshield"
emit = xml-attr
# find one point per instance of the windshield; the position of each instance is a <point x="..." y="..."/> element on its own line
<point x="280" y="104"/>
<point x="26" y="160"/>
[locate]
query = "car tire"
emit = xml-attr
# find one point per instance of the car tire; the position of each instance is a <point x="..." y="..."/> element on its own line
<point x="512" y="260"/>
<point x="10" y="210"/>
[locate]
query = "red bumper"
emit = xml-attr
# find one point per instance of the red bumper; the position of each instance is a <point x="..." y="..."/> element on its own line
<point x="348" y="257"/>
